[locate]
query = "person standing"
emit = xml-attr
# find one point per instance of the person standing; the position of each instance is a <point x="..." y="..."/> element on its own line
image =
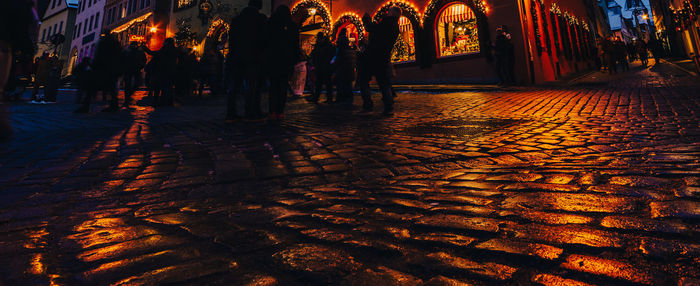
<point x="186" y="69"/>
<point x="135" y="61"/>
<point x="504" y="55"/>
<point x="246" y="45"/>
<point x="621" y="54"/>
<point x="42" y="67"/>
<point x="211" y="71"/>
<point x="85" y="81"/>
<point x="164" y="72"/>
<point x="610" y="58"/>
<point x="321" y="57"/>
<point x="345" y="61"/>
<point x="382" y="37"/>
<point x="642" y="52"/>
<point x="108" y="67"/>
<point x="282" y="50"/>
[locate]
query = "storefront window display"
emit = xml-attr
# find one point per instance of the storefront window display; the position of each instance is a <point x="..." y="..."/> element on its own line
<point x="405" y="47"/>
<point x="313" y="17"/>
<point x="352" y="24"/>
<point x="307" y="34"/>
<point x="456" y="31"/>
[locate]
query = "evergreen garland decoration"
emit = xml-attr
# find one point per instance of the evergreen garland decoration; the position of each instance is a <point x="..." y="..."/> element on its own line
<point x="321" y="10"/>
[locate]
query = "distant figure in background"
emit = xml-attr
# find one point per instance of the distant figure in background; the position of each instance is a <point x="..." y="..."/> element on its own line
<point x="505" y="56"/>
<point x="345" y="62"/>
<point x="186" y="70"/>
<point x="321" y="57"/>
<point x="642" y="52"/>
<point x="610" y="58"/>
<point x="382" y="37"/>
<point x="108" y="66"/>
<point x="164" y="72"/>
<point x="247" y="46"/>
<point x="211" y="71"/>
<point x="134" y="62"/>
<point x="42" y="67"/>
<point x="621" y="54"/>
<point x="54" y="80"/>
<point x="281" y="54"/>
<point x="84" y="79"/>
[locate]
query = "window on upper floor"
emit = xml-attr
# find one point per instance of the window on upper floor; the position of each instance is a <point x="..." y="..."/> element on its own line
<point x="78" y="31"/>
<point x="43" y="34"/>
<point x="92" y="18"/>
<point x="60" y="27"/>
<point x="97" y="20"/>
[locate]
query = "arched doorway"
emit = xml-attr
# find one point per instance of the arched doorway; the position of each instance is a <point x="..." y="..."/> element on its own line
<point x="457" y="28"/>
<point x="409" y="25"/>
<point x="456" y="31"/>
<point x="313" y="17"/>
<point x="352" y="24"/>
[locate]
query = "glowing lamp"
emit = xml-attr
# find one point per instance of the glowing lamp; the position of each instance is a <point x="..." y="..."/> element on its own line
<point x="153" y="29"/>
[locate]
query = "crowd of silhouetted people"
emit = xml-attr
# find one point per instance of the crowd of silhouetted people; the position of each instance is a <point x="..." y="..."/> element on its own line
<point x="263" y="53"/>
<point x="615" y="55"/>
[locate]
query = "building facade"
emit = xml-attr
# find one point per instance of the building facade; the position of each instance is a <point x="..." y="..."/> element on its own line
<point x="203" y="24"/>
<point x="143" y="21"/>
<point x="686" y="20"/>
<point x="451" y="41"/>
<point x="88" y="26"/>
<point x="58" y="22"/>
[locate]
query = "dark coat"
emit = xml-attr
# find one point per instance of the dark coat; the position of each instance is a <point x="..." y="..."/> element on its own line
<point x="282" y="46"/>
<point x="108" y="61"/>
<point x="345" y="61"/>
<point x="165" y="61"/>
<point x="246" y="37"/>
<point x="322" y="54"/>
<point x="134" y="60"/>
<point x="382" y="37"/>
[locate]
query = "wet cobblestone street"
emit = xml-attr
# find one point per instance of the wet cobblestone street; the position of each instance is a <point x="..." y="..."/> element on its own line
<point x="596" y="182"/>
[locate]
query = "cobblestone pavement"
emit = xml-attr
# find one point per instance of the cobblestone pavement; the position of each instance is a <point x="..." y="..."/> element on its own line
<point x="592" y="183"/>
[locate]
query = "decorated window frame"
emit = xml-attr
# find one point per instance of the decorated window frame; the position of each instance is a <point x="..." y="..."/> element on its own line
<point x="409" y="31"/>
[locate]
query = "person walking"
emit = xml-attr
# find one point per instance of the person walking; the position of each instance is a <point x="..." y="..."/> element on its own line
<point x="621" y="54"/>
<point x="211" y="71"/>
<point x="281" y="54"/>
<point x="164" y="72"/>
<point x="642" y="52"/>
<point x="345" y="62"/>
<point x="186" y="70"/>
<point x="610" y="58"/>
<point x="108" y="67"/>
<point x="84" y="78"/>
<point x="247" y="46"/>
<point x="134" y="61"/>
<point x="321" y="57"/>
<point x="382" y="37"/>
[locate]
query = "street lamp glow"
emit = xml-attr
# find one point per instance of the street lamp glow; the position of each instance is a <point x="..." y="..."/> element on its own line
<point x="644" y="17"/>
<point x="153" y="30"/>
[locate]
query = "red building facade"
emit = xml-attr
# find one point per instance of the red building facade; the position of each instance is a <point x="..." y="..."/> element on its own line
<point x="451" y="40"/>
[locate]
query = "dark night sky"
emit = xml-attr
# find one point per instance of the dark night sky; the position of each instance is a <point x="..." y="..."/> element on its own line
<point x="41" y="6"/>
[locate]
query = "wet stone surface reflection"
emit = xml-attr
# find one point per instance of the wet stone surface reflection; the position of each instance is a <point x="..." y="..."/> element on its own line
<point x="582" y="185"/>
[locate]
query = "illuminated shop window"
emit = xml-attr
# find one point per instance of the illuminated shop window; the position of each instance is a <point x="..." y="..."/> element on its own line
<point x="456" y="31"/>
<point x="405" y="47"/>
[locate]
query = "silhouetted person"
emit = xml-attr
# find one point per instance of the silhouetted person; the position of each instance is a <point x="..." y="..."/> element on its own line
<point x="186" y="69"/>
<point x="321" y="57"/>
<point x="281" y="54"/>
<point x="134" y="62"/>
<point x="108" y="66"/>
<point x="610" y="55"/>
<point x="246" y="48"/>
<point x="164" y="72"/>
<point x="84" y="79"/>
<point x="503" y="48"/>
<point x="42" y="68"/>
<point x="211" y="71"/>
<point x="621" y="54"/>
<point x="642" y="52"/>
<point x="382" y="37"/>
<point x="345" y="62"/>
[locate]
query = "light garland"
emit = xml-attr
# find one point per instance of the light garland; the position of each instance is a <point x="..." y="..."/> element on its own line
<point x="304" y="6"/>
<point x="352" y="18"/>
<point x="407" y="9"/>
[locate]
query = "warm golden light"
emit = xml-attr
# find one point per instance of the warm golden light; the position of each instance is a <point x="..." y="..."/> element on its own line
<point x="153" y="29"/>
